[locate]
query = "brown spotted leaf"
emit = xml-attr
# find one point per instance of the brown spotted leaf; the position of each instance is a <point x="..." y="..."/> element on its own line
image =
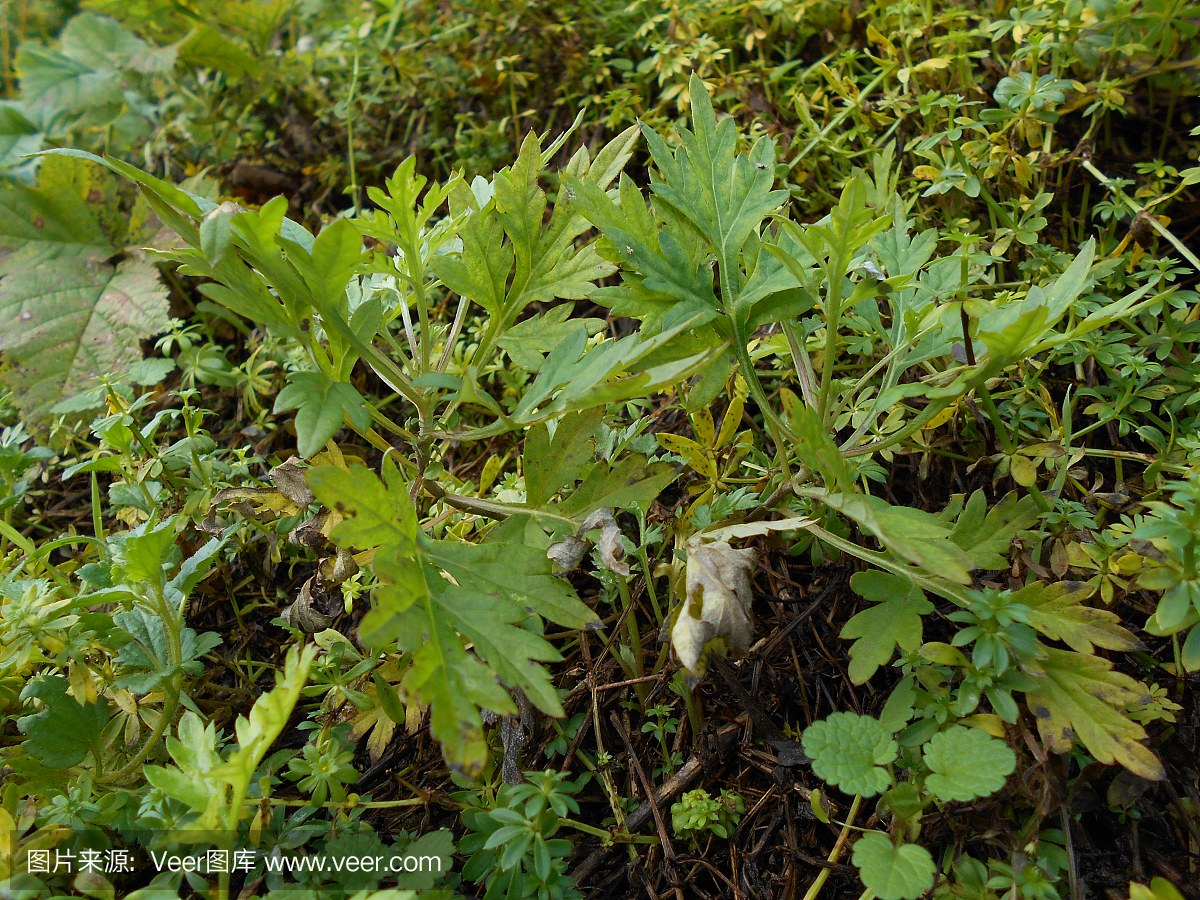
<point x="1081" y="698"/>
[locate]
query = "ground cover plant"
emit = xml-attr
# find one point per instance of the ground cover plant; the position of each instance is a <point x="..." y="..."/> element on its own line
<point x="608" y="449"/>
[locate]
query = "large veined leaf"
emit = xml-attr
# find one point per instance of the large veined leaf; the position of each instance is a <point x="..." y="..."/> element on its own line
<point x="466" y="613"/>
<point x="64" y="324"/>
<point x="1081" y="698"/>
<point x="67" y="314"/>
<point x="91" y="79"/>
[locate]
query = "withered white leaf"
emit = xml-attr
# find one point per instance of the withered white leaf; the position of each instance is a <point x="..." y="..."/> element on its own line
<point x="288" y="478"/>
<point x="568" y="553"/>
<point x="609" y="544"/>
<point x="314" y="609"/>
<point x="717" y="603"/>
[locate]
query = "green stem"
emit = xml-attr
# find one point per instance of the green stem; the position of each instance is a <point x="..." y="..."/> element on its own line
<point x="993" y="413"/>
<point x="881" y="560"/>
<point x="631" y="630"/>
<point x="350" y="155"/>
<point x="836" y="853"/>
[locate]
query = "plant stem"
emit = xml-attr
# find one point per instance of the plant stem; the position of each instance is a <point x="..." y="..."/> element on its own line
<point x="836" y="853"/>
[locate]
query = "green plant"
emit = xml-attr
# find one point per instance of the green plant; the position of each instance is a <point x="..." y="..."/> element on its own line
<point x="697" y="812"/>
<point x="860" y="755"/>
<point x="1173" y="529"/>
<point x="512" y="844"/>
<point x="853" y="300"/>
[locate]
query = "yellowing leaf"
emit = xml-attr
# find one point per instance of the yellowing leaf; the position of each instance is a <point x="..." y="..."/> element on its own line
<point x="733" y="414"/>
<point x="697" y="456"/>
<point x="946" y="414"/>
<point x="1080" y="697"/>
<point x="702" y="424"/>
<point x="1058" y="611"/>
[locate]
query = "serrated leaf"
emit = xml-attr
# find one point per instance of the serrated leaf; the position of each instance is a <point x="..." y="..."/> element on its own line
<point x="985" y="532"/>
<point x="725" y="195"/>
<point x="18" y="137"/>
<point x="256" y="732"/>
<point x="894" y="622"/>
<point x="63" y="732"/>
<point x="463" y="611"/>
<point x="659" y="271"/>
<point x="632" y="481"/>
<point x="912" y="534"/>
<point x="144" y="660"/>
<point x="531" y="339"/>
<point x="849" y="751"/>
<point x="375" y="512"/>
<point x="551" y="463"/>
<point x="1081" y="697"/>
<point x="321" y="407"/>
<point x="509" y="258"/>
<point x="893" y="872"/>
<point x="143" y="553"/>
<point x="1012" y="331"/>
<point x="966" y="763"/>
<point x="1058" y="611"/>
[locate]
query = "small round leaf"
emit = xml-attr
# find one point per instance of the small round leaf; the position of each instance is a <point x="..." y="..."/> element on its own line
<point x="893" y="873"/>
<point x="848" y="750"/>
<point x="966" y="764"/>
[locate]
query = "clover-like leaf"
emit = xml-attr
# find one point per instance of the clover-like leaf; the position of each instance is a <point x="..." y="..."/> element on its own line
<point x="967" y="763"/>
<point x="849" y="750"/>
<point x="892" y="872"/>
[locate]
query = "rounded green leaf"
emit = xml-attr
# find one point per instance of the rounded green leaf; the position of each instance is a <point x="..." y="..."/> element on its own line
<point x="848" y="750"/>
<point x="966" y="763"/>
<point x="893" y="873"/>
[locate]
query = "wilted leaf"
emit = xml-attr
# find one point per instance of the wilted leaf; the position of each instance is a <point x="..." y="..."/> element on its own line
<point x="717" y="605"/>
<point x="608" y="543"/>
